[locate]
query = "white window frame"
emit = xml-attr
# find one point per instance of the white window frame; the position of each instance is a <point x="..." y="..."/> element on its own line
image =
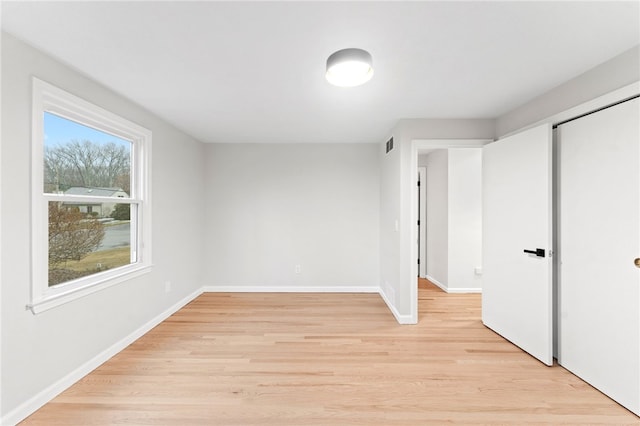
<point x="48" y="98"/>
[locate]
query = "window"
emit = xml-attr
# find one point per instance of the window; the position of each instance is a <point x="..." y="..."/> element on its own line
<point x="90" y="196"/>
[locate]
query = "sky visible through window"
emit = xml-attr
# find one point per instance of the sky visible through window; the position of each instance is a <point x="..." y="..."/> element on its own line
<point x="59" y="131"/>
<point x="76" y="155"/>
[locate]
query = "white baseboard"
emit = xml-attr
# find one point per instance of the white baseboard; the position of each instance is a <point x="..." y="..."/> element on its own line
<point x="31" y="405"/>
<point x="402" y="319"/>
<point x="455" y="289"/>
<point x="436" y="282"/>
<point x="287" y="289"/>
<point x="464" y="290"/>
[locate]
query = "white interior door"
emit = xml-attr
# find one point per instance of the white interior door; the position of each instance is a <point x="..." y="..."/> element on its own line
<point x="599" y="239"/>
<point x="516" y="216"/>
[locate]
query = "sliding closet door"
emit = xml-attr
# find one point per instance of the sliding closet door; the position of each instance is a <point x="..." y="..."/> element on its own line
<point x="516" y="234"/>
<point x="599" y="298"/>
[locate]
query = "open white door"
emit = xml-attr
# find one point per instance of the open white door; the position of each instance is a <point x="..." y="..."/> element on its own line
<point x="599" y="240"/>
<point x="517" y="219"/>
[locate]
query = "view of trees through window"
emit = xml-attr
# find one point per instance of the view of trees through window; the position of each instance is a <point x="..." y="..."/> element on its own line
<point x="89" y="172"/>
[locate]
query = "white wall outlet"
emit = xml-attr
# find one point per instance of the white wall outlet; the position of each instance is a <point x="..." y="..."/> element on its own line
<point x="478" y="270"/>
<point x="298" y="269"/>
<point x="167" y="286"/>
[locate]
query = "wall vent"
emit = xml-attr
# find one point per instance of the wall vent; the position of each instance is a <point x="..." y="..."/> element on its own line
<point x="390" y="144"/>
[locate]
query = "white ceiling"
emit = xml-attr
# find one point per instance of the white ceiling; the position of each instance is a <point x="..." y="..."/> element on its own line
<point x="254" y="71"/>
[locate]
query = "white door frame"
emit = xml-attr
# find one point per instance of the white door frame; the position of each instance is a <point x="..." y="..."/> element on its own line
<point x="422" y="238"/>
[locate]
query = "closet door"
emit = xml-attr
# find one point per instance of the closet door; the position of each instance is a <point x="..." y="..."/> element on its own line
<point x="599" y="293"/>
<point x="516" y="240"/>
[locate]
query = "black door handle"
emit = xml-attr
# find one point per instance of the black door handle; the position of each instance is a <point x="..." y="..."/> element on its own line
<point x="538" y="252"/>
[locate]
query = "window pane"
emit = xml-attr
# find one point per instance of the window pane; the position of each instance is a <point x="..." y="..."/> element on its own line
<point x="81" y="244"/>
<point x="79" y="160"/>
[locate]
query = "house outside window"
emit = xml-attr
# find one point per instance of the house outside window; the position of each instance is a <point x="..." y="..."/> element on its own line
<point x="90" y="196"/>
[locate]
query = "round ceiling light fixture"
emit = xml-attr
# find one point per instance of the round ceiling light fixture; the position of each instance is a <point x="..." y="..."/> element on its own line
<point x="349" y="67"/>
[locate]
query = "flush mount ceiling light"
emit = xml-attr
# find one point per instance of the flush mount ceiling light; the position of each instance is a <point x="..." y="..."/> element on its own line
<point x="349" y="67"/>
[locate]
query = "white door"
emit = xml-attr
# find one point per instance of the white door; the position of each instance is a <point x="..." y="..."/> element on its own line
<point x="599" y="239"/>
<point x="517" y="216"/>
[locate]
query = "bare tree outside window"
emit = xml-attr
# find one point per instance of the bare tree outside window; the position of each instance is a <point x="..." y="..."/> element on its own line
<point x="72" y="236"/>
<point x="86" y="164"/>
<point x="89" y="228"/>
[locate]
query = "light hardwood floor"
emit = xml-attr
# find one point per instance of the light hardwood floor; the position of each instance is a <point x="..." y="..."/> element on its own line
<point x="327" y="359"/>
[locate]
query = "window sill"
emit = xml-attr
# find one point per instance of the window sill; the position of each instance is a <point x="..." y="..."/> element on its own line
<point x="58" y="297"/>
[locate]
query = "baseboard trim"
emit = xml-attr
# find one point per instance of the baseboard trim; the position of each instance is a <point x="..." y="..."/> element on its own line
<point x="464" y="290"/>
<point x="438" y="283"/>
<point x="455" y="289"/>
<point x="34" y="403"/>
<point x="402" y="319"/>
<point x="287" y="289"/>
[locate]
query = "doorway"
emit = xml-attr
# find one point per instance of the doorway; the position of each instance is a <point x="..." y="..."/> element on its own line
<point x="421" y="147"/>
<point x="451" y="226"/>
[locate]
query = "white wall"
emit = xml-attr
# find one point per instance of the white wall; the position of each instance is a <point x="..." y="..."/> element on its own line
<point x="389" y="207"/>
<point x="273" y="206"/>
<point x="1" y="410"/>
<point x="464" y="219"/>
<point x="607" y="77"/>
<point x="39" y="350"/>
<point x="437" y="204"/>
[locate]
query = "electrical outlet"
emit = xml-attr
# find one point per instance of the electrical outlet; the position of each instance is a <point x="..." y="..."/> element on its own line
<point x="167" y="286"/>
<point x="298" y="269"/>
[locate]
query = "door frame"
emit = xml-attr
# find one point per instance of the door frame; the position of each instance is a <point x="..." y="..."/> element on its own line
<point x="422" y="227"/>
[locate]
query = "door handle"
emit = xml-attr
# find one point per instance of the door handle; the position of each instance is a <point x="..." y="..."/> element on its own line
<point x="538" y="252"/>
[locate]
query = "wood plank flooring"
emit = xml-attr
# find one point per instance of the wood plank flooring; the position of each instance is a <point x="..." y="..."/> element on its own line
<point x="327" y="359"/>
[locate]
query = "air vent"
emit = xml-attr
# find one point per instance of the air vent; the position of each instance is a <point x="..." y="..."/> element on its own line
<point x="389" y="144"/>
